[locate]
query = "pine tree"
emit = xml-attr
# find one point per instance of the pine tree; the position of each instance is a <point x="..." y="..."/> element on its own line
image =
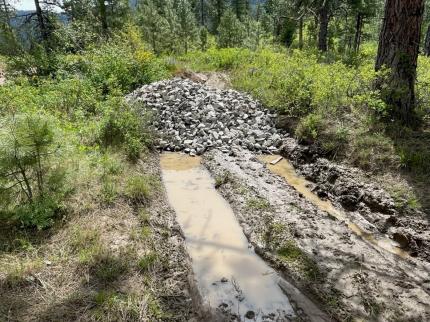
<point x="8" y="41"/>
<point x="231" y="32"/>
<point x="153" y="24"/>
<point x="218" y="8"/>
<point x="398" y="50"/>
<point x="203" y="38"/>
<point x="187" y="30"/>
<point x="240" y="8"/>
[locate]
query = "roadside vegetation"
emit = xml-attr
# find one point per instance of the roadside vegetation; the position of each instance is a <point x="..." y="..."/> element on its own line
<point x="73" y="186"/>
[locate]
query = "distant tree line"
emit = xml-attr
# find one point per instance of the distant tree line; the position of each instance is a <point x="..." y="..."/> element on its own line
<point x="176" y="26"/>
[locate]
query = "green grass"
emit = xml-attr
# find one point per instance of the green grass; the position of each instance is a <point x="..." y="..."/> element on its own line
<point x="294" y="256"/>
<point x="147" y="261"/>
<point x="222" y="179"/>
<point x="258" y="204"/>
<point x="139" y="189"/>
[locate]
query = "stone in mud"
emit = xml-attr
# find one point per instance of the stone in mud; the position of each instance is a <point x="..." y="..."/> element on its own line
<point x="250" y="315"/>
<point x="401" y="239"/>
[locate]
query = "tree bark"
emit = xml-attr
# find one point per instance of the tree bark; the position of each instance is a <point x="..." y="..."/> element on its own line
<point x="202" y="12"/>
<point x="301" y="32"/>
<point x="398" y="48"/>
<point x="103" y="15"/>
<point x="41" y="21"/>
<point x="358" y="28"/>
<point x="323" y="27"/>
<point x="427" y="42"/>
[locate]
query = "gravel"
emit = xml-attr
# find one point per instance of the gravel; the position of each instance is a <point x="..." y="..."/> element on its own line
<point x="193" y="118"/>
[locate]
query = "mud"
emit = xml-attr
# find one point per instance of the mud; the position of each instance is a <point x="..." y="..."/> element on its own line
<point x="347" y="275"/>
<point x="230" y="276"/>
<point x="358" y="194"/>
<point x="285" y="169"/>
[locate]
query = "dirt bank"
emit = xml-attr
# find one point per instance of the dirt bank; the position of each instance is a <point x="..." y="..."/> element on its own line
<point x="347" y="275"/>
<point x="109" y="262"/>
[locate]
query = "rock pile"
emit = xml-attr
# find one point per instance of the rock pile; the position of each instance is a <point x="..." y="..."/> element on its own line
<point x="192" y="117"/>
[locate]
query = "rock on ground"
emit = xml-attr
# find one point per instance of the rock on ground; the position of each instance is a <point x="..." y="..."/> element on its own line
<point x="193" y="118"/>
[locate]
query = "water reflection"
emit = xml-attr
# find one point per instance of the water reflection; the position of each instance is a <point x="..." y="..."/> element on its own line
<point x="226" y="269"/>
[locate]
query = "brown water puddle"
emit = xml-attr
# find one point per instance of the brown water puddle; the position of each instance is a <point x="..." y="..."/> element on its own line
<point x="285" y="169"/>
<point x="227" y="270"/>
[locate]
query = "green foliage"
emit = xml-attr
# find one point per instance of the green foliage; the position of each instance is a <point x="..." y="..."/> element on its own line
<point x="292" y="254"/>
<point x="231" y="31"/>
<point x="124" y="126"/>
<point x="32" y="184"/>
<point x="147" y="261"/>
<point x="140" y="188"/>
<point x="115" y="68"/>
<point x="258" y="204"/>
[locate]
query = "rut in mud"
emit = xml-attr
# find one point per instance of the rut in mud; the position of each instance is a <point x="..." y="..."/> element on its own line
<point x="280" y="166"/>
<point x="350" y="277"/>
<point x="230" y="276"/>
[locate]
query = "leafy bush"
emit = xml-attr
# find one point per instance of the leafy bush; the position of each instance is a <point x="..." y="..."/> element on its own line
<point x="115" y="68"/>
<point x="124" y="126"/>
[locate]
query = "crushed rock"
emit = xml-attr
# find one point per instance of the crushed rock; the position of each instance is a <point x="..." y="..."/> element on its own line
<point x="194" y="118"/>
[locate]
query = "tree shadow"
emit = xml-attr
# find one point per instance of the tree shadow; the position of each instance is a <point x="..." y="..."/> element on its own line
<point x="413" y="148"/>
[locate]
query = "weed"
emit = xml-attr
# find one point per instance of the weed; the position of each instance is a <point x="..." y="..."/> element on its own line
<point x="144" y="216"/>
<point x="147" y="261"/>
<point x="222" y="179"/>
<point x="114" y="306"/>
<point x="139" y="189"/>
<point x="84" y="238"/>
<point x="109" y="189"/>
<point x="290" y="253"/>
<point x="106" y="267"/>
<point x="21" y="273"/>
<point x="146" y="232"/>
<point x="258" y="204"/>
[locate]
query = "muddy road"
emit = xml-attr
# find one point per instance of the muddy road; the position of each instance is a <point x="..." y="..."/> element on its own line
<point x="331" y="244"/>
<point x="314" y="263"/>
<point x="318" y="246"/>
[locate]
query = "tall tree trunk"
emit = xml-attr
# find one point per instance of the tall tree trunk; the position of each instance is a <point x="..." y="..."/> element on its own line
<point x="323" y="27"/>
<point x="301" y="32"/>
<point x="358" y="28"/>
<point x="103" y="15"/>
<point x="398" y="48"/>
<point x="41" y="21"/>
<point x="202" y="12"/>
<point x="427" y="42"/>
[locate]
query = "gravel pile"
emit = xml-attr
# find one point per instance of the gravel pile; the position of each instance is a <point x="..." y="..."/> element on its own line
<point x="192" y="117"/>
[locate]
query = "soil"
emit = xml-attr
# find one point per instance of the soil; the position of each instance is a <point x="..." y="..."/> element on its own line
<point x="363" y="198"/>
<point x="347" y="275"/>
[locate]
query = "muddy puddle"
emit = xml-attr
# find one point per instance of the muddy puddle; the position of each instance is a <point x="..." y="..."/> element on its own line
<point x="230" y="276"/>
<point x="286" y="170"/>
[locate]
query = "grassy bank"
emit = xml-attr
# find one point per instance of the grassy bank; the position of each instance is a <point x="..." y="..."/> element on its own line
<point x="77" y="236"/>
